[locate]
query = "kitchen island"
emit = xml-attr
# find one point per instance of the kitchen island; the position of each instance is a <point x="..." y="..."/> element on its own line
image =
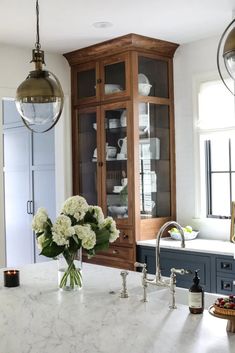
<point x="38" y="318"/>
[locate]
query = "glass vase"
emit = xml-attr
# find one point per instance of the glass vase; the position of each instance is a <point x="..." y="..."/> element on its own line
<point x="70" y="270"/>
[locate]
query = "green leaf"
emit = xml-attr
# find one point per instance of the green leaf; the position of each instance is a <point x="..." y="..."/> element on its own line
<point x="73" y="245"/>
<point x="102" y="236"/>
<point x="101" y="247"/>
<point x="52" y="250"/>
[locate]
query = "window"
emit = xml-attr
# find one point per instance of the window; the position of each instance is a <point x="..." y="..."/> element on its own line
<point x="216" y="131"/>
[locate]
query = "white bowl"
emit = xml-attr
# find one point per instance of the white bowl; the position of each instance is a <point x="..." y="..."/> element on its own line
<point x="187" y="235"/>
<point x="144" y="89"/>
<point x="112" y="88"/>
<point x="142" y="78"/>
<point x="118" y="210"/>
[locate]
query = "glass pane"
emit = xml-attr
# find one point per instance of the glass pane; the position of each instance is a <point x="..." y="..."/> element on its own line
<point x="233" y="186"/>
<point x="86" y="82"/>
<point x="87" y="157"/>
<point x="233" y="153"/>
<point x="153" y="77"/>
<point x="114" y="78"/>
<point x="154" y="157"/>
<point x="220" y="194"/>
<point x="220" y="154"/>
<point x="116" y="163"/>
<point x="215" y="105"/>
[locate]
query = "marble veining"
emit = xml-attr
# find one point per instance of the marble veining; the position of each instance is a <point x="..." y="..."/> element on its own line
<point x="38" y="318"/>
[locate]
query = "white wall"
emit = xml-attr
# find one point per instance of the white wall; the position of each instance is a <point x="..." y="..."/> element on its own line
<point x="192" y="62"/>
<point x="14" y="67"/>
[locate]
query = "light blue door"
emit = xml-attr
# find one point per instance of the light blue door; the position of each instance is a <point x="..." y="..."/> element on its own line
<point x="29" y="183"/>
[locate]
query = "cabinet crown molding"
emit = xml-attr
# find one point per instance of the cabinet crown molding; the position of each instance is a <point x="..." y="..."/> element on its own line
<point x="130" y="41"/>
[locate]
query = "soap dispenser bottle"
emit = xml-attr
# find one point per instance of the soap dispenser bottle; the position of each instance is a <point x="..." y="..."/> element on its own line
<point x="196" y="296"/>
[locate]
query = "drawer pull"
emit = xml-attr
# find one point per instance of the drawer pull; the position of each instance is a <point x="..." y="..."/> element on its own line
<point x="125" y="236"/>
<point x="226" y="265"/>
<point x="115" y="252"/>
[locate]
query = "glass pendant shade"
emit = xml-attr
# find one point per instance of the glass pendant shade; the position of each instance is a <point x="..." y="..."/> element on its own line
<point x="229" y="53"/>
<point x="39" y="98"/>
<point x="226" y="57"/>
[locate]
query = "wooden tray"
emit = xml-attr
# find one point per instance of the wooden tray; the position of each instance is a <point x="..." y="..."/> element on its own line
<point x="230" y="318"/>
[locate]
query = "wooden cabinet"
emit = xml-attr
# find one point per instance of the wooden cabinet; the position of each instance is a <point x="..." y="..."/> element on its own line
<point x="123" y="136"/>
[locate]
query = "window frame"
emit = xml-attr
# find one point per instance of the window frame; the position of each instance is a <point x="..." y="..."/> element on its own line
<point x="200" y="135"/>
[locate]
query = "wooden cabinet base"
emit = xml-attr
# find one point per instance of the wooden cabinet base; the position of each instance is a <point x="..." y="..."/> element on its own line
<point x="115" y="256"/>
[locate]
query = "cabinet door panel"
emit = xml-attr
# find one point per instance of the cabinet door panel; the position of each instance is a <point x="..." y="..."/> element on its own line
<point x="154" y="160"/>
<point x="178" y="259"/>
<point x="44" y="196"/>
<point x="85" y="83"/>
<point x="116" y="156"/>
<point x="153" y="77"/>
<point x="115" y="77"/>
<point x="19" y="238"/>
<point x="10" y="114"/>
<point x="86" y="180"/>
<point x="44" y="148"/>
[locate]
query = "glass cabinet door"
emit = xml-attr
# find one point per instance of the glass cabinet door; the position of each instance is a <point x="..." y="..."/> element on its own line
<point x="86" y="164"/>
<point x="86" y="83"/>
<point x="154" y="160"/>
<point x="116" y="155"/>
<point x="153" y="77"/>
<point x="115" y="73"/>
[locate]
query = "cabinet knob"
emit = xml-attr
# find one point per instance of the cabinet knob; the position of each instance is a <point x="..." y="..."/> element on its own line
<point x="125" y="236"/>
<point x="115" y="252"/>
<point x="98" y="80"/>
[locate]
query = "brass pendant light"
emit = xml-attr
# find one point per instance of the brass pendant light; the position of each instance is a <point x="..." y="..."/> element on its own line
<point x="226" y="57"/>
<point x="39" y="98"/>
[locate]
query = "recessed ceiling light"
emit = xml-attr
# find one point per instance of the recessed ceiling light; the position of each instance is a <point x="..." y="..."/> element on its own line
<point x="103" y="24"/>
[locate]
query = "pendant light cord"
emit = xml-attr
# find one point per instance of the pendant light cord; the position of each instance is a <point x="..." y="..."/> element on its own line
<point x="37" y="44"/>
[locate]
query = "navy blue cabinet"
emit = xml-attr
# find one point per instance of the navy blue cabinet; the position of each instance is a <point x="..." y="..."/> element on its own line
<point x="217" y="272"/>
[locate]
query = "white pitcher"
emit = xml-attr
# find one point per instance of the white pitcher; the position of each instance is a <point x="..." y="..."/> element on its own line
<point x="122" y="143"/>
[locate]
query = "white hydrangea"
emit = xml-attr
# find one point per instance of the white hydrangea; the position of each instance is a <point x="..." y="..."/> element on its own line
<point x="39" y="222"/>
<point x="75" y="206"/>
<point x="110" y="224"/>
<point x="40" y="241"/>
<point x="87" y="236"/>
<point x="62" y="230"/>
<point x="97" y="214"/>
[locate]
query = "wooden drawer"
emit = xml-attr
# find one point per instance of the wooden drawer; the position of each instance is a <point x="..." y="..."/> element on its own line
<point x="115" y="256"/>
<point x="225" y="265"/>
<point x="118" y="253"/>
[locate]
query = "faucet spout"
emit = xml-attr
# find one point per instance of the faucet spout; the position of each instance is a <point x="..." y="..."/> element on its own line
<point x="158" y="238"/>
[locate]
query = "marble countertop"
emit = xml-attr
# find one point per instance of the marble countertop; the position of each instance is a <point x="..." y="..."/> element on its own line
<point x="38" y="318"/>
<point x="199" y="245"/>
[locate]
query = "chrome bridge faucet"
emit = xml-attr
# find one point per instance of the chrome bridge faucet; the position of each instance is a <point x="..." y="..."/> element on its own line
<point x="158" y="280"/>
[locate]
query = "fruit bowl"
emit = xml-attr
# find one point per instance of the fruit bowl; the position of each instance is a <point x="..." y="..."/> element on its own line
<point x="189" y="234"/>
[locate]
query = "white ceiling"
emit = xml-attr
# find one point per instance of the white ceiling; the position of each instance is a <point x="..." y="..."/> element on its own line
<point x="66" y="25"/>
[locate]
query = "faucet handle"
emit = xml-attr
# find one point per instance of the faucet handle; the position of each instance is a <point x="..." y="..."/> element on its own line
<point x="180" y="271"/>
<point x="124" y="293"/>
<point x="140" y="265"/>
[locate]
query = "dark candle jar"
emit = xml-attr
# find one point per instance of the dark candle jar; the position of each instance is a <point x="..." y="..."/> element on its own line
<point x="11" y="278"/>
